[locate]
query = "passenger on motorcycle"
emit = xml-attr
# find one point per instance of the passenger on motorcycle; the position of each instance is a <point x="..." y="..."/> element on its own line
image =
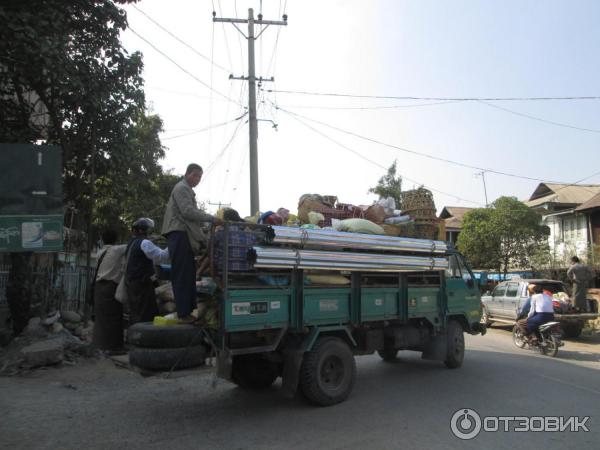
<point x="522" y="317"/>
<point x="541" y="311"/>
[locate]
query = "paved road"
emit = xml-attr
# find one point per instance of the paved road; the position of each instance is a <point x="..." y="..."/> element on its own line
<point x="407" y="404"/>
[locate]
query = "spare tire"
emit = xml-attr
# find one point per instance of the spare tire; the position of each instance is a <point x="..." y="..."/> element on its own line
<point x="148" y="335"/>
<point x="167" y="358"/>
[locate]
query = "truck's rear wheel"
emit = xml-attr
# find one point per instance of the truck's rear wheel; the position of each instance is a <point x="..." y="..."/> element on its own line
<point x="572" y="330"/>
<point x="455" y="340"/>
<point x="328" y="372"/>
<point x="253" y="372"/>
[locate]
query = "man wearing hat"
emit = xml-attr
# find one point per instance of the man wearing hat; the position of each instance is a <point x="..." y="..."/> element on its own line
<point x="141" y="256"/>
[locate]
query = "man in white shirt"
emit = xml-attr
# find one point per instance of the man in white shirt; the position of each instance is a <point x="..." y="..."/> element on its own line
<point x="541" y="312"/>
<point x="142" y="256"/>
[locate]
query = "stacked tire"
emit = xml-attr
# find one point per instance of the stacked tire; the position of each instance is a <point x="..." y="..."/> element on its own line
<point x="170" y="347"/>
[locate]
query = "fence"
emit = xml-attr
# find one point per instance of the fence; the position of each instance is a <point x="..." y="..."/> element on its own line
<point x="55" y="288"/>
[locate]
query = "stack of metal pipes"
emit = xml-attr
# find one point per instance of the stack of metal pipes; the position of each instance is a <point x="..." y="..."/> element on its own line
<point x="308" y="251"/>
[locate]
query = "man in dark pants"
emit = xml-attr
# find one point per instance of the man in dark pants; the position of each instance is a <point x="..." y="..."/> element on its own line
<point x="108" y="325"/>
<point x="142" y="254"/>
<point x="183" y="226"/>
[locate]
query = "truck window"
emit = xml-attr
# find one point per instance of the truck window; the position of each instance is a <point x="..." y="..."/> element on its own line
<point x="512" y="290"/>
<point x="453" y="270"/>
<point x="466" y="275"/>
<point x="499" y="291"/>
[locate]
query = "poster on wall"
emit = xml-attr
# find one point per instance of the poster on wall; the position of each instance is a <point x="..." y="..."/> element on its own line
<point x="31" y="209"/>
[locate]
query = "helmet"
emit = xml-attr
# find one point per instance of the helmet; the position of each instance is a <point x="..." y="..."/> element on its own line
<point x="143" y="224"/>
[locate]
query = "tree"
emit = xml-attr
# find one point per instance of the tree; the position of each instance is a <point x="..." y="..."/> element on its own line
<point x="389" y="185"/>
<point x="68" y="58"/>
<point x="509" y="233"/>
<point x="66" y="79"/>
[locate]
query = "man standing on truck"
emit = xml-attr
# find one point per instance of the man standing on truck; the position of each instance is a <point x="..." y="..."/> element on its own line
<point x="580" y="275"/>
<point x="183" y="227"/>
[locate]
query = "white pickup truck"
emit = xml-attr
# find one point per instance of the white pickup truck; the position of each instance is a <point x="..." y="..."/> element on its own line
<point x="505" y="302"/>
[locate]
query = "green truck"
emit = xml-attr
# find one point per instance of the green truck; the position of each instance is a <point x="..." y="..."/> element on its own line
<point x="300" y="304"/>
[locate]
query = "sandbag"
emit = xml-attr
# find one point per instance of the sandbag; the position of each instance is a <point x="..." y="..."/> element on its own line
<point x="164" y="293"/>
<point x="315" y="217"/>
<point x="375" y="214"/>
<point x="360" y="226"/>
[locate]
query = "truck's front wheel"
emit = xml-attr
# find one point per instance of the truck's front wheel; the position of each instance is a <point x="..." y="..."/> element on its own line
<point x="455" y="341"/>
<point x="328" y="372"/>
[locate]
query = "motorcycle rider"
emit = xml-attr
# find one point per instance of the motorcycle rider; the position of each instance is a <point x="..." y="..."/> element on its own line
<point x="522" y="317"/>
<point x="541" y="311"/>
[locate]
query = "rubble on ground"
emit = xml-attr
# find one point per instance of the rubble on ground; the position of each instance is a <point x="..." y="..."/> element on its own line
<point x="59" y="338"/>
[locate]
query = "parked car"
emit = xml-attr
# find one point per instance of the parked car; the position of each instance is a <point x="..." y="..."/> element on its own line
<point x="505" y="302"/>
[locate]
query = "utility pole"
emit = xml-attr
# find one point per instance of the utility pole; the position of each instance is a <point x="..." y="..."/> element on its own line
<point x="482" y="173"/>
<point x="251" y="78"/>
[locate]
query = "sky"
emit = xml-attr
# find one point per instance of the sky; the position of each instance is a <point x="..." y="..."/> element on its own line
<point x="342" y="145"/>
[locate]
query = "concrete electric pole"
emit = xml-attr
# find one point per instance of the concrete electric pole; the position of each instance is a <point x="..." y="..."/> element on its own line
<point x="251" y="78"/>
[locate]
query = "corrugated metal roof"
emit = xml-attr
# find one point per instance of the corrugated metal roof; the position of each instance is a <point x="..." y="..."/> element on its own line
<point x="592" y="203"/>
<point x="562" y="193"/>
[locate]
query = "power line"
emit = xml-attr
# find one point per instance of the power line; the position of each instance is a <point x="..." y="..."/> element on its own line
<point x="180" y="40"/>
<point x="418" y="105"/>
<point x="182" y="68"/>
<point x="455" y="99"/>
<point x="414" y="152"/>
<point x="376" y="163"/>
<point x="210" y="127"/>
<point x="220" y="155"/>
<point x="539" y="119"/>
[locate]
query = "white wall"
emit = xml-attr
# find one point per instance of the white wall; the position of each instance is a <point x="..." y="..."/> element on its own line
<point x="568" y="235"/>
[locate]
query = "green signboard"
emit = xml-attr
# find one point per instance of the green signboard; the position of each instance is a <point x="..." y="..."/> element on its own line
<point x="31" y="233"/>
<point x="31" y="208"/>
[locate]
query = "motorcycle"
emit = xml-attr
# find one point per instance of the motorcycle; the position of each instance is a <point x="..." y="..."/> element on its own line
<point x="547" y="341"/>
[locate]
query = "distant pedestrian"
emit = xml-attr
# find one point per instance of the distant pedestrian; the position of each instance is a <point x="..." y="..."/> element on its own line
<point x="108" y="312"/>
<point x="183" y="225"/>
<point x="141" y="255"/>
<point x="581" y="276"/>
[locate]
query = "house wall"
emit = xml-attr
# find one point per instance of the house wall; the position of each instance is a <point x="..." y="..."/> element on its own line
<point x="569" y="235"/>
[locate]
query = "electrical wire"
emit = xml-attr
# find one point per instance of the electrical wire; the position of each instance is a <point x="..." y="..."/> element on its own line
<point x="414" y="152"/>
<point x="225" y="36"/>
<point x="345" y="108"/>
<point x="539" y="119"/>
<point x="180" y="40"/>
<point x="211" y="127"/>
<point x="181" y="67"/>
<point x="220" y="155"/>
<point x="360" y="155"/>
<point x="456" y="99"/>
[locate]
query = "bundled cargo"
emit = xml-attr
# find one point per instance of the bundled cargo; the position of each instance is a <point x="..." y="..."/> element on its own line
<point x="344" y="240"/>
<point x="284" y="258"/>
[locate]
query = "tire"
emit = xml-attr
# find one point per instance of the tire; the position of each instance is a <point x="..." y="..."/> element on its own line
<point x="572" y="330"/>
<point x="328" y="372"/>
<point x="485" y="318"/>
<point x="551" y="349"/>
<point x="455" y="340"/>
<point x="518" y="337"/>
<point x="148" y="335"/>
<point x="388" y="354"/>
<point x="167" y="358"/>
<point x="253" y="372"/>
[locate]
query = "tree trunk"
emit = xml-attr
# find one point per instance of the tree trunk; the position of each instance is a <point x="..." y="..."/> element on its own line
<point x="18" y="290"/>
